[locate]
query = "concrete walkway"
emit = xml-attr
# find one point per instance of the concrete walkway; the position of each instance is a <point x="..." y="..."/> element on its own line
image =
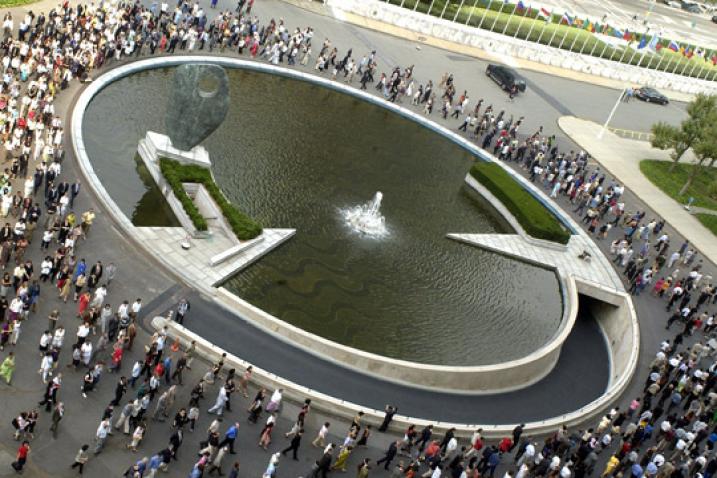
<point x="621" y="158"/>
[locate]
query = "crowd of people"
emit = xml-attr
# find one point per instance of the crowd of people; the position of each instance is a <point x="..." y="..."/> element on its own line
<point x="668" y="432"/>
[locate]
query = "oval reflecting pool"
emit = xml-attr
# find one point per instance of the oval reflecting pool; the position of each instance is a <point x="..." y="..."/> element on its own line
<point x="295" y="155"/>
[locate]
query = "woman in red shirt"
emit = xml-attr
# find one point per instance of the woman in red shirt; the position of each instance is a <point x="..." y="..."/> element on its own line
<point x="21" y="457"/>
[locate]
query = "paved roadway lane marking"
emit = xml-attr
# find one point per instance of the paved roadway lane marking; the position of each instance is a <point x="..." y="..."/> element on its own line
<point x="666" y="19"/>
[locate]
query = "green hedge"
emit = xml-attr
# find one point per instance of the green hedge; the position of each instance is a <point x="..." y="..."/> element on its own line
<point x="535" y="218"/>
<point x="176" y="174"/>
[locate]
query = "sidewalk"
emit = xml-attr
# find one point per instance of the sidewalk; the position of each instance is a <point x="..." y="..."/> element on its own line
<point x="621" y="158"/>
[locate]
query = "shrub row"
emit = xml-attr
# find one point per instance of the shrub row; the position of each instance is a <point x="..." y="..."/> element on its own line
<point x="176" y="174"/>
<point x="535" y="218"/>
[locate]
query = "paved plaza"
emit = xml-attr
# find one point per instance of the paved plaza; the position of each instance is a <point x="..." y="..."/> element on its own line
<point x="574" y="381"/>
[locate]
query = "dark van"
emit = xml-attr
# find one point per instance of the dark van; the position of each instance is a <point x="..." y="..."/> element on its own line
<point x="505" y="77"/>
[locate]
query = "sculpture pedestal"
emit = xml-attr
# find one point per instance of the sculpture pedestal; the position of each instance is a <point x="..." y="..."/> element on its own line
<point x="156" y="145"/>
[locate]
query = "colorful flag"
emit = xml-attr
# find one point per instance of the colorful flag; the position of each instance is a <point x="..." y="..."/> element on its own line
<point x="597" y="28"/>
<point x="673" y="46"/>
<point x="714" y="60"/>
<point x="589" y="26"/>
<point x="617" y="32"/>
<point x="654" y="42"/>
<point x="567" y="19"/>
<point x="643" y="42"/>
<point x="544" y="14"/>
<point x="520" y="6"/>
<point x="627" y="36"/>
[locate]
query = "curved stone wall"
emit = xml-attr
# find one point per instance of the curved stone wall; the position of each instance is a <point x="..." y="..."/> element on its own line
<point x="477" y="379"/>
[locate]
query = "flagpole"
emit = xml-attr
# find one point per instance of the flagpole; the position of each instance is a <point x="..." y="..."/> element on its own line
<point x="585" y="43"/>
<point x="708" y="69"/>
<point x="595" y="45"/>
<point x="629" y="62"/>
<point x="520" y="23"/>
<point x="685" y="65"/>
<point x="532" y="26"/>
<point x="693" y="68"/>
<point x="677" y="63"/>
<point x="663" y="56"/>
<point x="669" y="64"/>
<point x="574" y="40"/>
<point x="485" y="12"/>
<point x="445" y="7"/>
<point x="624" y="52"/>
<point x="562" y="40"/>
<point x="460" y="7"/>
<point x="647" y="48"/>
<point x="509" y="19"/>
<point x="497" y="15"/>
<point x="544" y="26"/>
<point x="470" y="15"/>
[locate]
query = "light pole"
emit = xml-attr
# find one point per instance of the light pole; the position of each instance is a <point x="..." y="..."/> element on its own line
<point x="612" y="113"/>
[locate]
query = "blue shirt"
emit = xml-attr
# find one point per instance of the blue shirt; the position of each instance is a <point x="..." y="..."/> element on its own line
<point x="232" y="432"/>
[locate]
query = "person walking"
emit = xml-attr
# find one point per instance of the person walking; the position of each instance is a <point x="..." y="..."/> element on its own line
<point x="21" y="457"/>
<point x="81" y="458"/>
<point x="389" y="455"/>
<point x="294" y="444"/>
<point x="182" y="310"/>
<point x="57" y="413"/>
<point x="229" y="437"/>
<point x="8" y="367"/>
<point x="320" y="440"/>
<point x="103" y="430"/>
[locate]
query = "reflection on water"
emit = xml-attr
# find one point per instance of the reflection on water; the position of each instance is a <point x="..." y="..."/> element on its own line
<point x="294" y="155"/>
<point x="152" y="209"/>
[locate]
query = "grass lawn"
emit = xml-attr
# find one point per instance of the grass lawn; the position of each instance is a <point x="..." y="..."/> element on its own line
<point x="671" y="183"/>
<point x="14" y="3"/>
<point x="709" y="221"/>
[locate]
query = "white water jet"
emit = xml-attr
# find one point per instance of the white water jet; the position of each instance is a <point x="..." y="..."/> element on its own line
<point x="367" y="218"/>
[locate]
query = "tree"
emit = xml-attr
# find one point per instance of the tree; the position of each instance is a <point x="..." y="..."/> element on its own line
<point x="705" y="150"/>
<point x="701" y="112"/>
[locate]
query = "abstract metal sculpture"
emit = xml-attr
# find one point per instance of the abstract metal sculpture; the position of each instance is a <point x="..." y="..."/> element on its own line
<point x="198" y="103"/>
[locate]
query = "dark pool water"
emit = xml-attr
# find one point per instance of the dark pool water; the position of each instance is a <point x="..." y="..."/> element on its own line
<point x="292" y="155"/>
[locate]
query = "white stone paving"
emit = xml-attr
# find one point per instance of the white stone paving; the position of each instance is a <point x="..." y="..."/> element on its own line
<point x="193" y="264"/>
<point x="597" y="271"/>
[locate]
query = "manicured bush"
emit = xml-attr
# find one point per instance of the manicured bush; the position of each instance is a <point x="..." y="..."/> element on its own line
<point x="535" y="218"/>
<point x="176" y="174"/>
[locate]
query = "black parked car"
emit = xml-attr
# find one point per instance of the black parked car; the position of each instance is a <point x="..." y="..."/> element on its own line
<point x="651" y="95"/>
<point x="505" y="77"/>
<point x="691" y="7"/>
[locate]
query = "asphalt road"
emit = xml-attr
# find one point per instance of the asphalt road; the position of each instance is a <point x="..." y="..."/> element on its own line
<point x="575" y="381"/>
